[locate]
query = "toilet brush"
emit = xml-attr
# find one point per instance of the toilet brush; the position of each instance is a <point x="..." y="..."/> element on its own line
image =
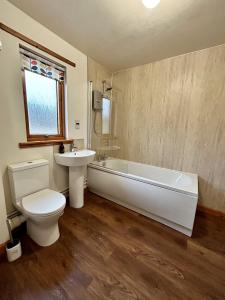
<point x="10" y="232"/>
<point x="13" y="248"/>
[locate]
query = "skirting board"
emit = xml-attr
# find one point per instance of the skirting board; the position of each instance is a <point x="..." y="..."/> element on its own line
<point x="205" y="211"/>
<point x="2" y="249"/>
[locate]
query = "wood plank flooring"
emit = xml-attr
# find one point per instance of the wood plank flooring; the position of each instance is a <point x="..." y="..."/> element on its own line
<point x="108" y="252"/>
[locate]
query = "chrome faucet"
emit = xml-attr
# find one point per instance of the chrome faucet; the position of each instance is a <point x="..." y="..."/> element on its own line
<point x="73" y="148"/>
<point x="101" y="157"/>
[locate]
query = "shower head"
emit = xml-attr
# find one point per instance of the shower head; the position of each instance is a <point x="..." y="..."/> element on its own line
<point x="105" y="88"/>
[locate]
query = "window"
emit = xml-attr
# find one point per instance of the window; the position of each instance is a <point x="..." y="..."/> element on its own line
<point x="106" y="115"/>
<point x="43" y="86"/>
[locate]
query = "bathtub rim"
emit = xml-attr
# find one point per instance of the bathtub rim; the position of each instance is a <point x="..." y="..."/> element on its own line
<point x="145" y="180"/>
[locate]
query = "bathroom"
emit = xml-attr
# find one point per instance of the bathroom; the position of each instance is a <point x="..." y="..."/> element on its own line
<point x="139" y="190"/>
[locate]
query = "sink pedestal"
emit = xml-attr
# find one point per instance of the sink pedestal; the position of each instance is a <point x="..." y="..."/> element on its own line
<point x="76" y="186"/>
<point x="77" y="162"/>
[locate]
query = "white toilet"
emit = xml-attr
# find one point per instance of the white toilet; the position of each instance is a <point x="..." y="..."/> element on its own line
<point x="41" y="206"/>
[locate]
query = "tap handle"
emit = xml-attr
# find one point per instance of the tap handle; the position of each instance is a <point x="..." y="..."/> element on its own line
<point x="73" y="147"/>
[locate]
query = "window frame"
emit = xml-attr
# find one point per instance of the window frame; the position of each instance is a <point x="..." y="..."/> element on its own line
<point x="60" y="117"/>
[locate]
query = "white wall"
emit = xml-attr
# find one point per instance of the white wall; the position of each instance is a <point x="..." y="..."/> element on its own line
<point x="3" y="228"/>
<point x="12" y="120"/>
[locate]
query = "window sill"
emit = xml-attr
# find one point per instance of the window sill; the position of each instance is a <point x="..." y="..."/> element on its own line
<point x="44" y="143"/>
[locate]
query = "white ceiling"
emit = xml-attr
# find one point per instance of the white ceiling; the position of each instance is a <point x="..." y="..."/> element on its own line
<point x="123" y="33"/>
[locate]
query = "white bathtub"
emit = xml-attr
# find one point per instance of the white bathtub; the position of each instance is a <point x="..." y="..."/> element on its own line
<point x="164" y="195"/>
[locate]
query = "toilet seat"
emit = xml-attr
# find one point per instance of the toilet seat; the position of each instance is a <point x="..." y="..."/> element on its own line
<point x="43" y="203"/>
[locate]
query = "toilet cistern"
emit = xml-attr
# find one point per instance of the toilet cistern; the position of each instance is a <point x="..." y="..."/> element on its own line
<point x="76" y="161"/>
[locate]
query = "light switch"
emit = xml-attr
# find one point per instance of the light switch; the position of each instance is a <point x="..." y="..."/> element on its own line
<point x="77" y="124"/>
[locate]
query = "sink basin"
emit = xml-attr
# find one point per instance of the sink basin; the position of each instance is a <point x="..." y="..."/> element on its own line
<point x="76" y="161"/>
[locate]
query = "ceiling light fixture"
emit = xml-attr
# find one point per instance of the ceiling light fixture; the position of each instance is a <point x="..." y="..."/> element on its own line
<point x="150" y="3"/>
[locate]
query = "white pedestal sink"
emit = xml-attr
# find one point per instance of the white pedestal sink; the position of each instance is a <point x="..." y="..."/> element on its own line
<point x="76" y="161"/>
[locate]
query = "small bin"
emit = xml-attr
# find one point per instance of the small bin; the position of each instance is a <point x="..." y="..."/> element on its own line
<point x="13" y="250"/>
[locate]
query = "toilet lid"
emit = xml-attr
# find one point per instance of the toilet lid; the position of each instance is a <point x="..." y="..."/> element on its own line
<point x="43" y="202"/>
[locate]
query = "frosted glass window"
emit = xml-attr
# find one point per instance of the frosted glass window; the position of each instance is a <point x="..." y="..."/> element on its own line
<point x="42" y="104"/>
<point x="106" y="114"/>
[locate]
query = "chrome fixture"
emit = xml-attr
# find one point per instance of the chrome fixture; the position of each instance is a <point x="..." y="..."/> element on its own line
<point x="73" y="148"/>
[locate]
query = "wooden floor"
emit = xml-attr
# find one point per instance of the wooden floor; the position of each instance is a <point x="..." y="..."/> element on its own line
<point x="108" y="252"/>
